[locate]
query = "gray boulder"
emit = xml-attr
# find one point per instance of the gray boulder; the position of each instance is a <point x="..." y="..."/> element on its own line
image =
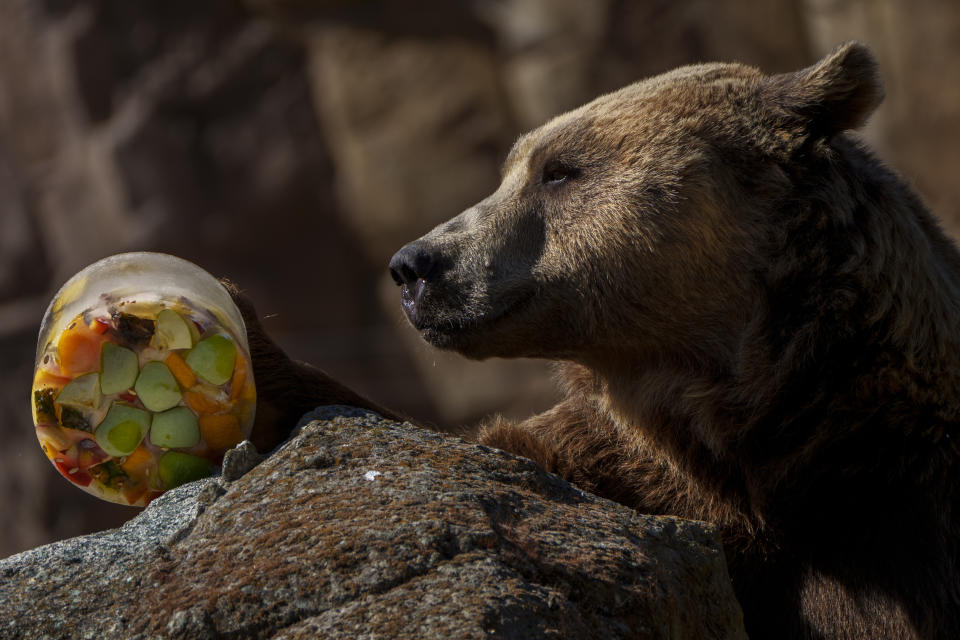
<point x="359" y="527"/>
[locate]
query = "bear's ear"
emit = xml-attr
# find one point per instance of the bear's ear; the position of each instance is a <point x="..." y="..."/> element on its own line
<point x="837" y="93"/>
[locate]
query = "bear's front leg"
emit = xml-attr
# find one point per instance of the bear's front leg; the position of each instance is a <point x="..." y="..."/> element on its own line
<point x="286" y="388"/>
<point x="581" y="448"/>
<point x="514" y="438"/>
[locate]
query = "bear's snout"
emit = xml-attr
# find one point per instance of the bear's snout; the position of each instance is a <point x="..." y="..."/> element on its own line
<point x="410" y="268"/>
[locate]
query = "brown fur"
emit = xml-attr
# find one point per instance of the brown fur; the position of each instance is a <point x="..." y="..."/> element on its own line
<point x="286" y="388"/>
<point x="757" y="325"/>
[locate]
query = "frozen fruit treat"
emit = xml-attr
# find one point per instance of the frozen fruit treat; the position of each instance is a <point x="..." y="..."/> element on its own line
<point x="143" y="377"/>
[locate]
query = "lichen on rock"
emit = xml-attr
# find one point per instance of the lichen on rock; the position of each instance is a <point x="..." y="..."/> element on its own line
<point x="448" y="540"/>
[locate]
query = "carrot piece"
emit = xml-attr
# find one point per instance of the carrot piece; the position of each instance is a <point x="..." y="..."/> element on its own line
<point x="135" y="493"/>
<point x="220" y="431"/>
<point x="181" y="370"/>
<point x="139" y="458"/>
<point x="79" y="350"/>
<point x="239" y="377"/>
<point x="202" y="404"/>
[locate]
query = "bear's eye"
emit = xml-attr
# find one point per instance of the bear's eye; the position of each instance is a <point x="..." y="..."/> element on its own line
<point x="556" y="172"/>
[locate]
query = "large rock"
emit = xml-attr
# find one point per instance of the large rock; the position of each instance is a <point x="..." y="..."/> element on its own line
<point x="359" y="526"/>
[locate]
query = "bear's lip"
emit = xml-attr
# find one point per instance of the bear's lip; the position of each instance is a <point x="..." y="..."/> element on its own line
<point x="457" y="332"/>
<point x="412" y="302"/>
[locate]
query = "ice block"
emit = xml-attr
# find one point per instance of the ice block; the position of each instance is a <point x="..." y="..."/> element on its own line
<point x="143" y="377"/>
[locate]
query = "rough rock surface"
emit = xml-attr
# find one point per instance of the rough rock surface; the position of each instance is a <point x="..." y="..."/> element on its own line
<point x="362" y="527"/>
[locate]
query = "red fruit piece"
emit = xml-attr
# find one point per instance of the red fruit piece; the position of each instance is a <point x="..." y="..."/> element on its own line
<point x="72" y="473"/>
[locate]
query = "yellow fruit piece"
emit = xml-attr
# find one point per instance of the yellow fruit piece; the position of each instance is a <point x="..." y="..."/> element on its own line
<point x="54" y="438"/>
<point x="46" y="379"/>
<point x="220" y="431"/>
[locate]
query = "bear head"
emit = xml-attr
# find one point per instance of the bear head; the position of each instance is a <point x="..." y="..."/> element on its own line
<point x="638" y="223"/>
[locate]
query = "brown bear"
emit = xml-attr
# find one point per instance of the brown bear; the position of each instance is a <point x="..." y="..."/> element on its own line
<point x="756" y="323"/>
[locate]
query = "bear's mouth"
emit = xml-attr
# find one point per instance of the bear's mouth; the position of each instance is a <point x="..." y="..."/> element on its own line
<point x="438" y="320"/>
<point x="449" y="322"/>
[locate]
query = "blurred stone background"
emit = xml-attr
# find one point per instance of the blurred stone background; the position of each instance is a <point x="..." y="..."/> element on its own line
<point x="294" y="145"/>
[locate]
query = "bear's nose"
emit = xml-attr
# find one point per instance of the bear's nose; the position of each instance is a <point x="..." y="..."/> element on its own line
<point x="413" y="262"/>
